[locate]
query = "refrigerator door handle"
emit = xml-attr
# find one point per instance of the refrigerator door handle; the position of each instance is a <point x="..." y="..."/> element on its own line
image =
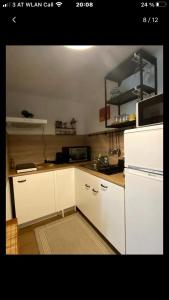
<point x="141" y="169"/>
<point x="144" y="174"/>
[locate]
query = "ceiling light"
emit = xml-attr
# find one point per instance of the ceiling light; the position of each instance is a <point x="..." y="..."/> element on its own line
<point x="79" y="47"/>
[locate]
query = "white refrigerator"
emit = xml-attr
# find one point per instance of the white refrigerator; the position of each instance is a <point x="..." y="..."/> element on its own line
<point x="143" y="148"/>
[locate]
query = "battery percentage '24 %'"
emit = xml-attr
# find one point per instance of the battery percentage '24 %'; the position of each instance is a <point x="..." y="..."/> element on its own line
<point x="153" y="4"/>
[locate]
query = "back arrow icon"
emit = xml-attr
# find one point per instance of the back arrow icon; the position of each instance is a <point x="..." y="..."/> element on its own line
<point x="14" y="19"/>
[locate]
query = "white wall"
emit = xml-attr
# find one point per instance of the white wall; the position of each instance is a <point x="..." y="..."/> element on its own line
<point x="45" y="108"/>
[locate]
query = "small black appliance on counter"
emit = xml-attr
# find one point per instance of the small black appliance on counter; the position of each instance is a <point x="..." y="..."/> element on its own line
<point x="76" y="154"/>
<point x="59" y="158"/>
<point x="72" y="155"/>
<point x="121" y="164"/>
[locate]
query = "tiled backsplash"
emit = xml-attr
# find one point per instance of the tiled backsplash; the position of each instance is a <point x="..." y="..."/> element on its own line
<point x="37" y="148"/>
<point x="103" y="143"/>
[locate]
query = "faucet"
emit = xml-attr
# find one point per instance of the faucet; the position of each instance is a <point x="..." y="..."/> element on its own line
<point x="116" y="151"/>
<point x="102" y="160"/>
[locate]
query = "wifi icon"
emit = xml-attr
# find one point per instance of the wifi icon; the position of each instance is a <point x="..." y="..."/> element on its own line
<point x="59" y="4"/>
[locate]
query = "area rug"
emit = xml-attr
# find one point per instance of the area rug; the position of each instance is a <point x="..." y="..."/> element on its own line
<point x="70" y="235"/>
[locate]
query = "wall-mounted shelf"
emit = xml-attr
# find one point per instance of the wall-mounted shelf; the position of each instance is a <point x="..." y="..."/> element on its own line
<point x="24" y="122"/>
<point x="123" y="124"/>
<point x="65" y="131"/>
<point x="130" y="66"/>
<point x="130" y="95"/>
<point x="139" y="86"/>
<point x="114" y="129"/>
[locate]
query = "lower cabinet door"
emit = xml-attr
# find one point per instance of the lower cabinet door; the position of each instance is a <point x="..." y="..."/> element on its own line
<point x="84" y="185"/>
<point x="82" y="190"/>
<point x="65" y="188"/>
<point x="87" y="198"/>
<point x="34" y="196"/>
<point x="113" y="217"/>
<point x="95" y="209"/>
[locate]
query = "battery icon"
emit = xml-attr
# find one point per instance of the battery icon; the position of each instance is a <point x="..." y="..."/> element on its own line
<point x="161" y="4"/>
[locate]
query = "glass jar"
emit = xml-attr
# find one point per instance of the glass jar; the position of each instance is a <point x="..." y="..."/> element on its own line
<point x="121" y="118"/>
<point x="117" y="119"/>
<point x="125" y="117"/>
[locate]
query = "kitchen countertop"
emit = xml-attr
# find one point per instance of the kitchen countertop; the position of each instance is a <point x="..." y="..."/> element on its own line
<point x="47" y="167"/>
<point x="117" y="178"/>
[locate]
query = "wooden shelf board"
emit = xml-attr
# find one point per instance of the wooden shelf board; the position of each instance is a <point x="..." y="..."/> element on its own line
<point x="123" y="124"/>
<point x="114" y="129"/>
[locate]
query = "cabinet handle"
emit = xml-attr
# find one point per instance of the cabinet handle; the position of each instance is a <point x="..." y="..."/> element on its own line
<point x="104" y="186"/>
<point x="94" y="191"/>
<point x="20" y="181"/>
<point x="86" y="185"/>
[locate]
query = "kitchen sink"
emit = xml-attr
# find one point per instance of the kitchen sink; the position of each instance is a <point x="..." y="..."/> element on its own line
<point x="109" y="170"/>
<point x="112" y="169"/>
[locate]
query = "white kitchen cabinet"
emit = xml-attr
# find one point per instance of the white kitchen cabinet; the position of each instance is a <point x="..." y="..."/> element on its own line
<point x="102" y="202"/>
<point x="83" y="187"/>
<point x="34" y="196"/>
<point x="111" y="197"/>
<point x="64" y="188"/>
<point x="94" y="210"/>
<point x="79" y="189"/>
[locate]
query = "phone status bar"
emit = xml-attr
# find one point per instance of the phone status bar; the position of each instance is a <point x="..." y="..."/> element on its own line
<point x="59" y="4"/>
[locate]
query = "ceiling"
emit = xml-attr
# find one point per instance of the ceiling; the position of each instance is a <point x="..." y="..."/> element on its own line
<point x="63" y="73"/>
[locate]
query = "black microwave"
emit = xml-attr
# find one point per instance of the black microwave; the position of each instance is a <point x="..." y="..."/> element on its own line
<point x="149" y="111"/>
<point x="76" y="154"/>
